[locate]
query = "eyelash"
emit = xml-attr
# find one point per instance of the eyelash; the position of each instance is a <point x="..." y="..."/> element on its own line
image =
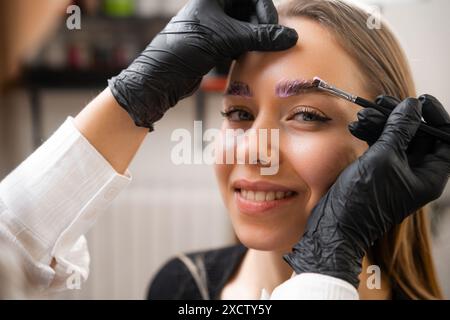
<point x="310" y="112"/>
<point x="228" y="113"/>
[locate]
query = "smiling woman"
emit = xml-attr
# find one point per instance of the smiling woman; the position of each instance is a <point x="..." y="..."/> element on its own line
<point x="273" y="91"/>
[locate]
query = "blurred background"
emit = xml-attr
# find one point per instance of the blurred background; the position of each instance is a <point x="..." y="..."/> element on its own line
<point x="48" y="72"/>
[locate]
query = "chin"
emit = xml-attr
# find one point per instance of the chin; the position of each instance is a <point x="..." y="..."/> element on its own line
<point x="256" y="237"/>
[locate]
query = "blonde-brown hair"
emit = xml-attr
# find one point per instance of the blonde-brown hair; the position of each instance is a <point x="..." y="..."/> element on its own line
<point x="404" y="253"/>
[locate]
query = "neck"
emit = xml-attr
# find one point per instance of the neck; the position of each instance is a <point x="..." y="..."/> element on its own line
<point x="259" y="270"/>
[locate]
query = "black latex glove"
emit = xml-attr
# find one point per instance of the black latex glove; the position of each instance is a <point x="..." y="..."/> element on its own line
<point x="203" y="34"/>
<point x="398" y="174"/>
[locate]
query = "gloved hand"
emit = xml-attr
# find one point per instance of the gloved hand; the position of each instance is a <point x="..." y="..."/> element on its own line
<point x="203" y="34"/>
<point x="398" y="174"/>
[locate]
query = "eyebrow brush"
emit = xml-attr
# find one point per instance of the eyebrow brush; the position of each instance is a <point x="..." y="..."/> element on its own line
<point x="424" y="127"/>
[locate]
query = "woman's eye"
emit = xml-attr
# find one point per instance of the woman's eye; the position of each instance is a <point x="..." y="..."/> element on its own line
<point x="304" y="114"/>
<point x="238" y="115"/>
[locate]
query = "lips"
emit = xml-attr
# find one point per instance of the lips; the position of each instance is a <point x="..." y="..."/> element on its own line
<point x="261" y="196"/>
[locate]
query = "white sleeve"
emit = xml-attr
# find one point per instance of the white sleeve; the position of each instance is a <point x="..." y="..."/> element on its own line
<point x="314" y="286"/>
<point x="51" y="200"/>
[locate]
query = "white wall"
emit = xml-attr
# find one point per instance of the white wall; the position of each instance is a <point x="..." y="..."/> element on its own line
<point x="15" y="130"/>
<point x="423" y="29"/>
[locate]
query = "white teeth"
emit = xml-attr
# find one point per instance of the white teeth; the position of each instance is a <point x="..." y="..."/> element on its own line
<point x="260" y="196"/>
<point x="270" y="196"/>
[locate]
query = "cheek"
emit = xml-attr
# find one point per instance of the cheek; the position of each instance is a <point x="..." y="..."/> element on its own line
<point x="223" y="173"/>
<point x="221" y="169"/>
<point x="318" y="158"/>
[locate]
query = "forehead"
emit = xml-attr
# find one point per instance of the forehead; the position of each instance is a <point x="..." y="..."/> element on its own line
<point x="317" y="53"/>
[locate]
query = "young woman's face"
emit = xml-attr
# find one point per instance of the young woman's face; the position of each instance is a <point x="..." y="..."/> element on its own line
<point x="269" y="212"/>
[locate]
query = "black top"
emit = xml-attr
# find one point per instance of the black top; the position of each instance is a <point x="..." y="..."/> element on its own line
<point x="175" y="281"/>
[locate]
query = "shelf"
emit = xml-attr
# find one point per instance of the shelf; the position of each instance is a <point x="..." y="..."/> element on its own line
<point x="214" y="84"/>
<point x="67" y="79"/>
<point x="84" y="79"/>
<point x="154" y="22"/>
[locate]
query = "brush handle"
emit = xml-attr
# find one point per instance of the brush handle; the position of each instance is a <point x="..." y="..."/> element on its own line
<point x="424" y="127"/>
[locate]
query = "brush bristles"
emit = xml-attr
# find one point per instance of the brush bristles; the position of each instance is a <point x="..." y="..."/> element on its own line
<point x="319" y="83"/>
<point x="316" y="82"/>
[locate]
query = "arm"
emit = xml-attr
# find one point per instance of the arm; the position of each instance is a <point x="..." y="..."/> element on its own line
<point x="50" y="200"/>
<point x="110" y="130"/>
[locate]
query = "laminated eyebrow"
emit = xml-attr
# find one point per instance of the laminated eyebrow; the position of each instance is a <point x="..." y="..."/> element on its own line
<point x="238" y="88"/>
<point x="288" y="88"/>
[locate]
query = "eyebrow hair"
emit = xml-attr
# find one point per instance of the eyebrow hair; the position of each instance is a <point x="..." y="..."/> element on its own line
<point x="238" y="88"/>
<point x="288" y="88"/>
<point x="284" y="88"/>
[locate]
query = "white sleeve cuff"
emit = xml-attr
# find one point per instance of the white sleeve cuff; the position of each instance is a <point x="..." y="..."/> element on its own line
<point x="55" y="196"/>
<point x="314" y="286"/>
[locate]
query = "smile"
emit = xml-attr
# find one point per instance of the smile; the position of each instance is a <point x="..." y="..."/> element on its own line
<point x="259" y="197"/>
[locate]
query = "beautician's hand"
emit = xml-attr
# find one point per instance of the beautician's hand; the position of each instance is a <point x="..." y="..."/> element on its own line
<point x="203" y="34"/>
<point x="398" y="174"/>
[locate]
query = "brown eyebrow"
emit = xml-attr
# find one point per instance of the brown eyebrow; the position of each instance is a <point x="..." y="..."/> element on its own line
<point x="288" y="88"/>
<point x="238" y="88"/>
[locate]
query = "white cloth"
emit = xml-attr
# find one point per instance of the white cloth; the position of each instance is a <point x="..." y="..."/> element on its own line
<point x="52" y="199"/>
<point x="314" y="286"/>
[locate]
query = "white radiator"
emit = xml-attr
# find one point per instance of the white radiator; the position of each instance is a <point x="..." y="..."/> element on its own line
<point x="142" y="229"/>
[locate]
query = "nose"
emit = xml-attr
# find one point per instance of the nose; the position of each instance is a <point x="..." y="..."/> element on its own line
<point x="259" y="145"/>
